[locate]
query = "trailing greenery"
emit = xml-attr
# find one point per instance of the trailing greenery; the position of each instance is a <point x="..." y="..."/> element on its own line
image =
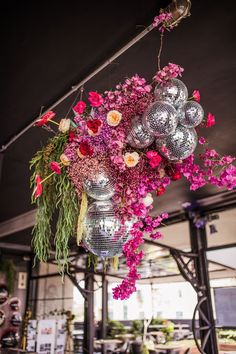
<point x="229" y="334"/>
<point x="58" y="196"/>
<point x="7" y="267"/>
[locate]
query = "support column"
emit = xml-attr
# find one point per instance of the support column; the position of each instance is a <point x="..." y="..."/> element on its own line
<point x="104" y="306"/>
<point x="89" y="314"/>
<point x="198" y="239"/>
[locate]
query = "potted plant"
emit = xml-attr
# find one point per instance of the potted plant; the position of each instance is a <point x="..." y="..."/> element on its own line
<point x="137" y="331"/>
<point x="115" y="328"/>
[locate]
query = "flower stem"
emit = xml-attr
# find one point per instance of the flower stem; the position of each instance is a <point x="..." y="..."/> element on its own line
<point x="52" y="121"/>
<point x="159" y="53"/>
<point x="51" y="174"/>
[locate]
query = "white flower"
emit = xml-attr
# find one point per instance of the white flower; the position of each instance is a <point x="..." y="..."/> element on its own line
<point x="64" y="125"/>
<point x="131" y="159"/>
<point x="113" y="118"/>
<point x="148" y="200"/>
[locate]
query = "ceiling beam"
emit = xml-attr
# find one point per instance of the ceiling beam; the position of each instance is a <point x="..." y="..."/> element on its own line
<point x="18" y="223"/>
<point x="15" y="247"/>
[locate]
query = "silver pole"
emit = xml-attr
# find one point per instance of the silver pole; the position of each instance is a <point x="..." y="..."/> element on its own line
<point x="80" y="84"/>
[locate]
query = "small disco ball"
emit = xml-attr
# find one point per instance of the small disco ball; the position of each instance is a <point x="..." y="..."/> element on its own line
<point x="3" y="294"/>
<point x="15" y="304"/>
<point x="10" y="339"/>
<point x="104" y="234"/>
<point x="160" y="119"/>
<point x="191" y="114"/>
<point x="179" y="145"/>
<point x="174" y="92"/>
<point x="16" y="319"/>
<point x="2" y="317"/>
<point x="139" y="137"/>
<point x="100" y="186"/>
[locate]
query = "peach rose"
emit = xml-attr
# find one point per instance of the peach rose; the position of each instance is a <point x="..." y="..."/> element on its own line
<point x="114" y="118"/>
<point x="65" y="160"/>
<point x="131" y="159"/>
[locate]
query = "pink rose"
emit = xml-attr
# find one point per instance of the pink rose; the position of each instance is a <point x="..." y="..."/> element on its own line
<point x="95" y="99"/>
<point x="80" y="107"/>
<point x="154" y="158"/>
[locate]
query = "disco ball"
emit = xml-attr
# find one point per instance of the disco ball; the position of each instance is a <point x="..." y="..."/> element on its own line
<point x="2" y="317"/>
<point x="104" y="234"/>
<point x="138" y="136"/>
<point x="191" y="114"/>
<point x="10" y="339"/>
<point x="160" y="119"/>
<point x="174" y="92"/>
<point x="3" y="294"/>
<point x="180" y="144"/>
<point x="16" y="319"/>
<point x="15" y="304"/>
<point x="100" y="186"/>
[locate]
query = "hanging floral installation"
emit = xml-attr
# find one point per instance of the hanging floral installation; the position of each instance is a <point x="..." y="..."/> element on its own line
<point x="100" y="172"/>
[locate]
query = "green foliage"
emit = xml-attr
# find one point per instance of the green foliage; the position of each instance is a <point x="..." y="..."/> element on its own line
<point x="137" y="328"/>
<point x="115" y="328"/>
<point x="7" y="267"/>
<point x="157" y="321"/>
<point x="58" y="198"/>
<point x="227" y="334"/>
<point x="168" y="330"/>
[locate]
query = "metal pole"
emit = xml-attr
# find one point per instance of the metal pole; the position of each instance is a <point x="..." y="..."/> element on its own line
<point x="89" y="314"/>
<point x="81" y="84"/>
<point x="104" y="305"/>
<point x="198" y="239"/>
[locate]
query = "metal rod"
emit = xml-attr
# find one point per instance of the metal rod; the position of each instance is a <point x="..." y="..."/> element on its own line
<point x="80" y="84"/>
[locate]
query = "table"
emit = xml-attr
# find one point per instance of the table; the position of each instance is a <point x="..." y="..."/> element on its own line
<point x="107" y="343"/>
<point x="169" y="347"/>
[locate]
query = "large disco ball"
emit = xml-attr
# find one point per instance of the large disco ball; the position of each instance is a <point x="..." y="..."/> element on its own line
<point x="174" y="92"/>
<point x="139" y="137"/>
<point x="160" y="119"/>
<point x="104" y="234"/>
<point x="191" y="114"/>
<point x="3" y="294"/>
<point x="179" y="145"/>
<point x="100" y="186"/>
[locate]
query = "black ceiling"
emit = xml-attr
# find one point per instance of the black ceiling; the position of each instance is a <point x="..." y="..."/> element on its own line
<point x="49" y="46"/>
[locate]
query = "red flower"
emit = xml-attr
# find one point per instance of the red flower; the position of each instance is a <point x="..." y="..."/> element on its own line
<point x="95" y="99"/>
<point x="210" y="120"/>
<point x="85" y="149"/>
<point x="45" y="118"/>
<point x="160" y="191"/>
<point x="196" y="95"/>
<point x="38" y="190"/>
<point x="79" y="107"/>
<point x="72" y="135"/>
<point x="55" y="167"/>
<point x="177" y="175"/>
<point x="94" y="125"/>
<point x="154" y="158"/>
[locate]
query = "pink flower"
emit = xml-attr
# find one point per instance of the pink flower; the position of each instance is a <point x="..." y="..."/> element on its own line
<point x="79" y="107"/>
<point x="162" y="21"/>
<point x="154" y="158"/>
<point x="55" y="167"/>
<point x="39" y="188"/>
<point x="94" y="126"/>
<point x="196" y="95"/>
<point x="45" y="118"/>
<point x="210" y="120"/>
<point x="202" y="140"/>
<point x="167" y="73"/>
<point x="95" y="99"/>
<point x="85" y="149"/>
